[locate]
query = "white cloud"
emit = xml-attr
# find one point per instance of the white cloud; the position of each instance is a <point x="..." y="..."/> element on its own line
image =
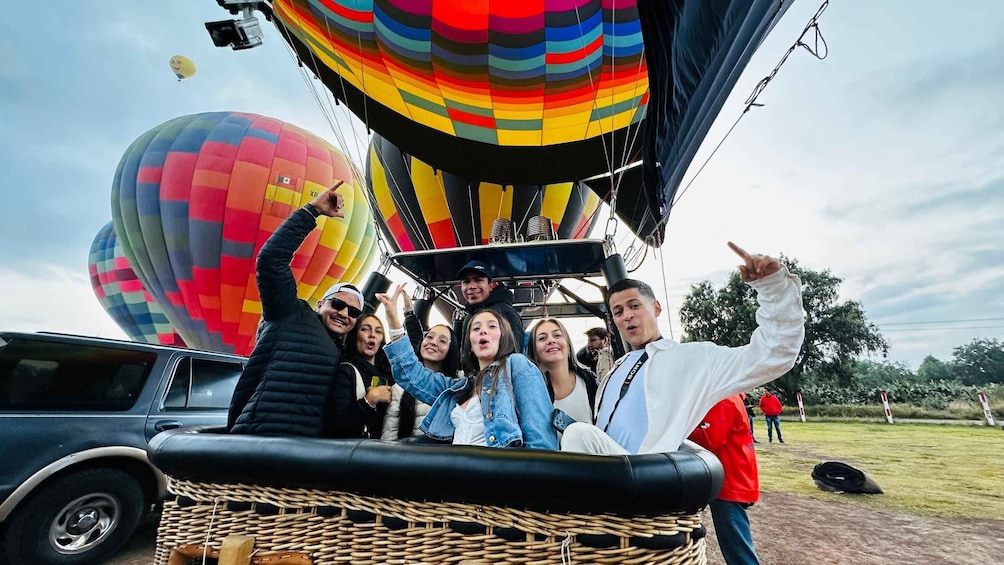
<point x="54" y="299"/>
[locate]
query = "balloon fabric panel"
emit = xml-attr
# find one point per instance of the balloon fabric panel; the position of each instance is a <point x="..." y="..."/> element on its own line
<point x="515" y="75"/>
<point x="200" y="195"/>
<point x="430" y="209"/>
<point x="123" y="296"/>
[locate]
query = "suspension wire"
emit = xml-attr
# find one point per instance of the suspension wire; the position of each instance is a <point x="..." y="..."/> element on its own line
<point x="525" y="222"/>
<point x="328" y="92"/>
<point x="665" y="291"/>
<point x="819" y="50"/>
<point x="592" y="86"/>
<point x="332" y="122"/>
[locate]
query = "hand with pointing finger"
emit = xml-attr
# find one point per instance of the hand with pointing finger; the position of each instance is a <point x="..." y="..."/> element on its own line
<point x="755" y="267"/>
<point x="329" y="203"/>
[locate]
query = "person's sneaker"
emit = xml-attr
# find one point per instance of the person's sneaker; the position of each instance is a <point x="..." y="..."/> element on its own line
<point x="771" y="440"/>
<point x="781" y="440"/>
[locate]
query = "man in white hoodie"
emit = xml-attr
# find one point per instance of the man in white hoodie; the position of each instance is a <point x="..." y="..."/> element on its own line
<point x="661" y="390"/>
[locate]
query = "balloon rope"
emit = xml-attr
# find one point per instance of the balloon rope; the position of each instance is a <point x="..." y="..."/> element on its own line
<point x="751" y="102"/>
<point x="665" y="290"/>
<point x="330" y="117"/>
<point x="352" y="122"/>
<point x="592" y="87"/>
<point x="406" y="213"/>
<point x="526" y="216"/>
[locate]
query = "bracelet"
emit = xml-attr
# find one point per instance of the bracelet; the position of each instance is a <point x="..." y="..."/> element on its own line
<point x="312" y="210"/>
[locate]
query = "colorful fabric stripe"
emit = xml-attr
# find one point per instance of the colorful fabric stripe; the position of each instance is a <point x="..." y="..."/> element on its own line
<point x="419" y="207"/>
<point x="123" y="296"/>
<point x="195" y="198"/>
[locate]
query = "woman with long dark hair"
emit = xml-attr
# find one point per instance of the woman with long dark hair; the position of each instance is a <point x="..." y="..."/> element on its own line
<point x="572" y="386"/>
<point x="367" y="367"/>
<point x="439" y="351"/>
<point x="501" y="401"/>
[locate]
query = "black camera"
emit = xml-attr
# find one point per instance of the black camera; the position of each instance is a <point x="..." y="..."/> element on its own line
<point x="236" y="34"/>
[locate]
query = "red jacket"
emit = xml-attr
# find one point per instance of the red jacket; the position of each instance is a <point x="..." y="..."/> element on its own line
<point x="770" y="405"/>
<point x="725" y="431"/>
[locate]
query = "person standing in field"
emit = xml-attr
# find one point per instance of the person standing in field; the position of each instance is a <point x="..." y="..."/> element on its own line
<point x="771" y="407"/>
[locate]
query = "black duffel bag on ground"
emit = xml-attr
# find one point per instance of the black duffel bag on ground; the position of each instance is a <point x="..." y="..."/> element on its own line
<point x="834" y="476"/>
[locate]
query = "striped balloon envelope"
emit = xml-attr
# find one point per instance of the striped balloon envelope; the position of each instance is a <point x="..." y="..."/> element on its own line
<point x="195" y="198"/>
<point x="122" y="294"/>
<point x="419" y="207"/>
<point x="521" y="91"/>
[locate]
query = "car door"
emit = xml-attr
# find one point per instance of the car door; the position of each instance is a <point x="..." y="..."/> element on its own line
<point x="197" y="394"/>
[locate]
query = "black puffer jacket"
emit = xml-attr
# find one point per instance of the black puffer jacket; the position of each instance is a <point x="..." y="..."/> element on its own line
<point x="500" y="300"/>
<point x="290" y="385"/>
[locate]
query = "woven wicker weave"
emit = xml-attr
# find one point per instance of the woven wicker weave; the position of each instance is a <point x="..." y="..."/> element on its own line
<point x="338" y="527"/>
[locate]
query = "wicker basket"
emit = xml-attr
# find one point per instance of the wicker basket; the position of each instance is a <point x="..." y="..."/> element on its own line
<point x="333" y="526"/>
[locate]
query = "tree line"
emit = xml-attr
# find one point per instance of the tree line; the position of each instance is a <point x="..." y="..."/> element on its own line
<point x="832" y="366"/>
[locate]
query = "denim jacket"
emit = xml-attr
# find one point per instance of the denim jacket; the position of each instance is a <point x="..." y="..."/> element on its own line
<point x="523" y="423"/>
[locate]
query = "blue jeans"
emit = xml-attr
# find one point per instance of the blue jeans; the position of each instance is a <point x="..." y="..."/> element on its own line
<point x="776" y="420"/>
<point x="732" y="528"/>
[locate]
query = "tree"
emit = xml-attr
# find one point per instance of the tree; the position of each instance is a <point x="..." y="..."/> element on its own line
<point x="933" y="369"/>
<point x="880" y="374"/>
<point x="979" y="362"/>
<point x="836" y="333"/>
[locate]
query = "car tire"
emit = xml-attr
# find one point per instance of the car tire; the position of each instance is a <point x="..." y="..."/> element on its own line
<point x="80" y="519"/>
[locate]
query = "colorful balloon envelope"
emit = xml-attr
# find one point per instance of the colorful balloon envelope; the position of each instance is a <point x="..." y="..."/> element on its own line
<point x="196" y="197"/>
<point x="538" y="91"/>
<point x="182" y="67"/>
<point x="420" y="207"/>
<point x="123" y="295"/>
<point x="520" y="91"/>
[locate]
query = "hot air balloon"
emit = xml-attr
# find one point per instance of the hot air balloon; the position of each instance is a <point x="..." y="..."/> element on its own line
<point x="195" y="198"/>
<point x="419" y="207"/>
<point x="122" y="294"/>
<point x="182" y="67"/>
<point x="532" y="92"/>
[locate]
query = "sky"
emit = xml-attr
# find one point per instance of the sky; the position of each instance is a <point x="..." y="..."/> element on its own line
<point x="880" y="163"/>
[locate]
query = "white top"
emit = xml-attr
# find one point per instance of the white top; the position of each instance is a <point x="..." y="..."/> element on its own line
<point x="576" y="404"/>
<point x="469" y="423"/>
<point x="628" y="429"/>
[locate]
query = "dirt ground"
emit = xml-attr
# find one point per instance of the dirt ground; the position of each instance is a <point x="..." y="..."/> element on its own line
<point x="793" y="530"/>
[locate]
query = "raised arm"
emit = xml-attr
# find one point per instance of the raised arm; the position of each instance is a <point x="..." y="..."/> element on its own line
<point x="276" y="284"/>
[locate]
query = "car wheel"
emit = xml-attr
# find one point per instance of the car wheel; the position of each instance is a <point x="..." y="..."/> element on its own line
<point x="80" y="519"/>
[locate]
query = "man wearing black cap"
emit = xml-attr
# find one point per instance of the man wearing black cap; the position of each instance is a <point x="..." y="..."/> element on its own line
<point x="479" y="292"/>
<point x="290" y="386"/>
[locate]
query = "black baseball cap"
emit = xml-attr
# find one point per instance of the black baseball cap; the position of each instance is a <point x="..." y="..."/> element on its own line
<point x="479" y="267"/>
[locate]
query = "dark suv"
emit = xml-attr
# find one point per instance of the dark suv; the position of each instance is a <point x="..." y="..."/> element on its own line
<point x="75" y="417"/>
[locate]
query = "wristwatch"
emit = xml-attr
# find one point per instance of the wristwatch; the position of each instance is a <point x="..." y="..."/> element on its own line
<point x="312" y="210"/>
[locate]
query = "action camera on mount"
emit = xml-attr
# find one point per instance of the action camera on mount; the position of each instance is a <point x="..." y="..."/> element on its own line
<point x="244" y="33"/>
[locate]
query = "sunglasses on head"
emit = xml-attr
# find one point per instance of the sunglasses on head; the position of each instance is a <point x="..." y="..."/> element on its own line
<point x="337" y="304"/>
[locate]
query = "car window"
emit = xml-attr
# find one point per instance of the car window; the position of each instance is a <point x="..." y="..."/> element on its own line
<point x="51" y="376"/>
<point x="201" y="384"/>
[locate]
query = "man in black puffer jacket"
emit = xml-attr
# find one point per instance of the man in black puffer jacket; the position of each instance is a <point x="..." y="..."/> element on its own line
<point x="480" y="294"/>
<point x="290" y="385"/>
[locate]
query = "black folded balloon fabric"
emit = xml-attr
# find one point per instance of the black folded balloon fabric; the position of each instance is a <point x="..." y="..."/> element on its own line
<point x="834" y="476"/>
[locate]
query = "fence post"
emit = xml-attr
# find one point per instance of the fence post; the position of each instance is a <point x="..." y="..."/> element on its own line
<point x="885" y="403"/>
<point x="801" y="408"/>
<point x="986" y="408"/>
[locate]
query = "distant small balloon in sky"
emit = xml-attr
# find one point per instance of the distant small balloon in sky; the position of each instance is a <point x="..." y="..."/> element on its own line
<point x="182" y="67"/>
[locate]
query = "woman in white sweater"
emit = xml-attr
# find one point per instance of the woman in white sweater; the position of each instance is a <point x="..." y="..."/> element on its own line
<point x="439" y="351"/>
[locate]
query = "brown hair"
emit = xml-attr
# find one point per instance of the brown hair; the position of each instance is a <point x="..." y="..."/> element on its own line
<point x="531" y="348"/>
<point x="469" y="363"/>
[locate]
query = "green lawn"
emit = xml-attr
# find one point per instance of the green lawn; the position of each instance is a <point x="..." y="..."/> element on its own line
<point x="924" y="469"/>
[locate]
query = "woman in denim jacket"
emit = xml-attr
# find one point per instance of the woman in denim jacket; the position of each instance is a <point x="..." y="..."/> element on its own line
<point x="503" y="400"/>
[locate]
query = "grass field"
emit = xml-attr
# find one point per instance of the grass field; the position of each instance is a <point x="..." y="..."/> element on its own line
<point x="924" y="469"/>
